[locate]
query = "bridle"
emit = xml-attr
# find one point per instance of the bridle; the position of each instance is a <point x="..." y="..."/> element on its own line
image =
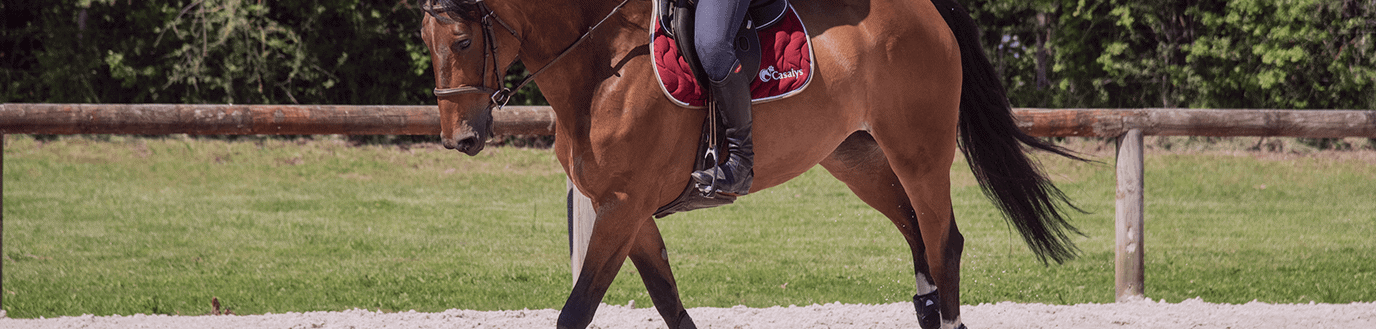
<point x="501" y="95"/>
<point x="488" y="17"/>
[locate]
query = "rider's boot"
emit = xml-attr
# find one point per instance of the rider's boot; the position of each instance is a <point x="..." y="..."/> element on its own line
<point x="731" y="98"/>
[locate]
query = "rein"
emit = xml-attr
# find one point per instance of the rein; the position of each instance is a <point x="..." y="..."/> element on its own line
<point x="499" y="97"/>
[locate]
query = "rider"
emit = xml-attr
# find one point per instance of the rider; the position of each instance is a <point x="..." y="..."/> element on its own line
<point x="716" y="24"/>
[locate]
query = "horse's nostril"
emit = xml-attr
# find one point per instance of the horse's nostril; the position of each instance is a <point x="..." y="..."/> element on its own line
<point x="470" y="146"/>
<point x="462" y="142"/>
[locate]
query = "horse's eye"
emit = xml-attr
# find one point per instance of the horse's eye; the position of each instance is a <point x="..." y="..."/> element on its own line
<point x="463" y="44"/>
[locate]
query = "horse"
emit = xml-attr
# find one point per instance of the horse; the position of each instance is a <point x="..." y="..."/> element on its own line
<point x="899" y="86"/>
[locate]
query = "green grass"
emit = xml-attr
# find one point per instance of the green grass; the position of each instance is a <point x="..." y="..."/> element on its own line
<point x="162" y="225"/>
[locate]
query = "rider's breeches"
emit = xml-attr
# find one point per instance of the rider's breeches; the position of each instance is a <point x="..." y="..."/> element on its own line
<point x="716" y="24"/>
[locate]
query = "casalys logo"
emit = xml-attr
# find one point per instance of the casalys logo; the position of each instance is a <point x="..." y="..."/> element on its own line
<point x="771" y="73"/>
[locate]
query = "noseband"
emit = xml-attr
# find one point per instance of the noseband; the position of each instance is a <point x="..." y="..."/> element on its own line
<point x="500" y="96"/>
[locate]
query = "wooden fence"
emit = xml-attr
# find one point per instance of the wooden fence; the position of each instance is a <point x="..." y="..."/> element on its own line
<point x="1128" y="125"/>
<point x="154" y="119"/>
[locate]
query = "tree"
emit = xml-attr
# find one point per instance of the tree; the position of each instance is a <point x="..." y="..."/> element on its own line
<point x="1184" y="53"/>
<point x="1290" y="54"/>
<point x="1052" y="53"/>
<point x="216" y="51"/>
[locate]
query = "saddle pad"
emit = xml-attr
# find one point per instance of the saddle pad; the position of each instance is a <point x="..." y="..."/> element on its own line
<point x="785" y="63"/>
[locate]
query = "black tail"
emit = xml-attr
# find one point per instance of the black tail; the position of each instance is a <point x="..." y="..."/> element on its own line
<point x="992" y="144"/>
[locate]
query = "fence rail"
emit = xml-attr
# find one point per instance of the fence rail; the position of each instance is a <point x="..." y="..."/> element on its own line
<point x="156" y="119"/>
<point x="1197" y="122"/>
<point x="1128" y="125"/>
<point x="152" y="119"/>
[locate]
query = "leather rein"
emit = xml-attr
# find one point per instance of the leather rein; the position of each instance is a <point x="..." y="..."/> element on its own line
<point x="499" y="97"/>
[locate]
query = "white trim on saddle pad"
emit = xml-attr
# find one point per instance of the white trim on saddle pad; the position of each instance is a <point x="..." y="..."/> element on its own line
<point x="812" y="63"/>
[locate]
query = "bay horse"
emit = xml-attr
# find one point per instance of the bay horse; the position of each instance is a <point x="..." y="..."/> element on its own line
<point x="898" y="85"/>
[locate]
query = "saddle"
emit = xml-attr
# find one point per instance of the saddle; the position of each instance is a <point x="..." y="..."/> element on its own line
<point x="776" y="37"/>
<point x="771" y="35"/>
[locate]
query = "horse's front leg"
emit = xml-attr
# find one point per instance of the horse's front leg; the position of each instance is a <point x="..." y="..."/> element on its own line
<point x="651" y="258"/>
<point x="613" y="237"/>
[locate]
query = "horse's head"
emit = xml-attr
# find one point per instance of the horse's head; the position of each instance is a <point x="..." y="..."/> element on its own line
<point x="470" y="49"/>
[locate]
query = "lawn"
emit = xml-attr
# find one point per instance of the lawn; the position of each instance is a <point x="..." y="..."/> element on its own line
<point x="124" y="225"/>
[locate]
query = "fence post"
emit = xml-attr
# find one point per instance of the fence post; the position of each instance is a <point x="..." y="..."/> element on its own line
<point x="1129" y="271"/>
<point x="2" y="225"/>
<point x="581" y="220"/>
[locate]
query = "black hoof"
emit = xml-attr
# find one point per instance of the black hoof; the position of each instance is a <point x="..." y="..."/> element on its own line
<point x="686" y="323"/>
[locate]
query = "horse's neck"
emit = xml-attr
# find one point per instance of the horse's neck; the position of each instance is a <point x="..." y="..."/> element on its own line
<point x="549" y="27"/>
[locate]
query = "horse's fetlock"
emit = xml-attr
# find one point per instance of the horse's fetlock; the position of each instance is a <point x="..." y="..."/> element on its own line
<point x="928" y="310"/>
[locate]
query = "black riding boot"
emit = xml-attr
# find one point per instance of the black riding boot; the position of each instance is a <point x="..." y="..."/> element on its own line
<point x="731" y="97"/>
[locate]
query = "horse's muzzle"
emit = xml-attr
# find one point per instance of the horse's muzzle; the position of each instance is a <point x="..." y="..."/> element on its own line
<point x="468" y="143"/>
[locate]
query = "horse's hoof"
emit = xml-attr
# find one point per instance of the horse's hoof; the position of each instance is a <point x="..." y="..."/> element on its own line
<point x="686" y="323"/>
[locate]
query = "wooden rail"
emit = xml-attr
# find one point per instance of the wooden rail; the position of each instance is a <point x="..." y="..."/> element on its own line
<point x="152" y="119"/>
<point x="1193" y="122"/>
<point x="1128" y="125"/>
<point x="155" y="119"/>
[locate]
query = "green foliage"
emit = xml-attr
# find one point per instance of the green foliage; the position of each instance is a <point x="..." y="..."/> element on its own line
<point x="1294" y="54"/>
<point x="100" y="227"/>
<point x="219" y="51"/>
<point x="1298" y="54"/>
<point x="215" y="51"/>
<point x="1053" y="53"/>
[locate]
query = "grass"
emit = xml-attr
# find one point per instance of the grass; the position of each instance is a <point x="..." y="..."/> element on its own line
<point x="159" y="226"/>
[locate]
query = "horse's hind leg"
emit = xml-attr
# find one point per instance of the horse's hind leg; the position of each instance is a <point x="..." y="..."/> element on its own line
<point x="862" y="165"/>
<point x="651" y="258"/>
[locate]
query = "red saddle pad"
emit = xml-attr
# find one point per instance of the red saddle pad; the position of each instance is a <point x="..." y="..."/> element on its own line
<point x="785" y="63"/>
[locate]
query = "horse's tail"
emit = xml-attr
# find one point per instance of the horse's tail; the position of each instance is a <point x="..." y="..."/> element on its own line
<point x="992" y="144"/>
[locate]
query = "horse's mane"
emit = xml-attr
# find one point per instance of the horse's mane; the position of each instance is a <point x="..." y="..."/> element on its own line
<point x="465" y="9"/>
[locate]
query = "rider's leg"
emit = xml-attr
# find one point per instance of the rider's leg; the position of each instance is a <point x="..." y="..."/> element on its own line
<point x="717" y="22"/>
<point x="715" y="25"/>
